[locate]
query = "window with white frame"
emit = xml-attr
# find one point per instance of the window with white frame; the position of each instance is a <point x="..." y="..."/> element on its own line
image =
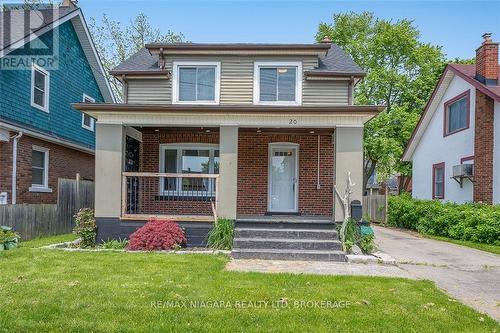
<point x="40" y="88"/>
<point x="87" y="121"/>
<point x="189" y="158"/>
<point x="39" y="168"/>
<point x="278" y="83"/>
<point x="196" y="82"/>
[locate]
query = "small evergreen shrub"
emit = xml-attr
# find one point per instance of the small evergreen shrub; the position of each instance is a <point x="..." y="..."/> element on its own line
<point x="85" y="227"/>
<point x="221" y="235"/>
<point x="470" y="222"/>
<point x="157" y="235"/>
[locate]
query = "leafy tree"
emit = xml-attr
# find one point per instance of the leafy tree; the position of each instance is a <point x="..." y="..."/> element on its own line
<point x="116" y="42"/>
<point x="402" y="72"/>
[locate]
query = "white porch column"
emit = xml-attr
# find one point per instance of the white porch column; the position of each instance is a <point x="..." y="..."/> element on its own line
<point x="228" y="171"/>
<point x="348" y="158"/>
<point x="109" y="144"/>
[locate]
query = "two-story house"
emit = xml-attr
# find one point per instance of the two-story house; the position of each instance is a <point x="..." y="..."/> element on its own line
<point x="241" y="131"/>
<point x="48" y="61"/>
<point x="455" y="148"/>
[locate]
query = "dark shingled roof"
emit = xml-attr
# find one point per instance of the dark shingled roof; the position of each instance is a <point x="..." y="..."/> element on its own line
<point x="12" y="30"/>
<point x="335" y="62"/>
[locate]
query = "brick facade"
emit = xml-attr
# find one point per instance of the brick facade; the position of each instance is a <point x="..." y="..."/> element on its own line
<point x="252" y="171"/>
<point x="63" y="163"/>
<point x="483" y="148"/>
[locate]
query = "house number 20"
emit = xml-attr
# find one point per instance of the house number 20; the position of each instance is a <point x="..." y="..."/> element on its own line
<point x="292" y="122"/>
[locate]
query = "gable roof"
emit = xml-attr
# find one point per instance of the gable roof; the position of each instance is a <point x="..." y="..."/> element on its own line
<point x="334" y="63"/>
<point x="466" y="72"/>
<point x="14" y="36"/>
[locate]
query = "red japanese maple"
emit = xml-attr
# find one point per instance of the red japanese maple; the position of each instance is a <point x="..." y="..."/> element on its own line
<point x="157" y="234"/>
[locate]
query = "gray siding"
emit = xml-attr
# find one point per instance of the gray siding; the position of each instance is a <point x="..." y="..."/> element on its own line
<point x="237" y="82"/>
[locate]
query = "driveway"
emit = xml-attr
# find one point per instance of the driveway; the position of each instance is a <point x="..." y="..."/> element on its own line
<point x="469" y="275"/>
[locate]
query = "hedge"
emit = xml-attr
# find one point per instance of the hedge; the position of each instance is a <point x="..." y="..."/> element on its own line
<point x="471" y="222"/>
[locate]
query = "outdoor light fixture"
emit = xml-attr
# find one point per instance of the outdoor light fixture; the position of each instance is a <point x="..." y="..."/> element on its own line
<point x="282" y="70"/>
<point x="311" y="132"/>
<point x="207" y="131"/>
<point x="259" y="130"/>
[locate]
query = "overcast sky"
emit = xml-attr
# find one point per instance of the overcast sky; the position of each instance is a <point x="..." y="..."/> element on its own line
<point x="456" y="25"/>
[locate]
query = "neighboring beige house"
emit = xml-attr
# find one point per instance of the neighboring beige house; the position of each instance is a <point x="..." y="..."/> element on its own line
<point x="235" y="130"/>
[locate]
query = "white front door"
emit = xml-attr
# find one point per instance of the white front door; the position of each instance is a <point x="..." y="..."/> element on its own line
<point x="283" y="182"/>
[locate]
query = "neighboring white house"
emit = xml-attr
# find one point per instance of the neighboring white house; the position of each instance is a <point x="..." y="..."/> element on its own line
<point x="460" y="125"/>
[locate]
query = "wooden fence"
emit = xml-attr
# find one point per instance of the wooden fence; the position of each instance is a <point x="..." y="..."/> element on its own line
<point x="35" y="220"/>
<point x="374" y="207"/>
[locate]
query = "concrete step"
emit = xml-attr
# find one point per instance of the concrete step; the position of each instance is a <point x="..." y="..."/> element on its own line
<point x="286" y="244"/>
<point x="274" y="233"/>
<point x="307" y="225"/>
<point x="273" y="254"/>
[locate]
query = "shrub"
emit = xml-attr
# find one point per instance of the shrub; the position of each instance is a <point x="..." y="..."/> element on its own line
<point x="470" y="222"/>
<point x="115" y="244"/>
<point x="86" y="227"/>
<point x="157" y="234"/>
<point x="8" y="238"/>
<point x="367" y="244"/>
<point x="221" y="235"/>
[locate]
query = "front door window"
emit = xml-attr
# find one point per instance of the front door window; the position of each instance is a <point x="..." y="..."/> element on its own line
<point x="283" y="179"/>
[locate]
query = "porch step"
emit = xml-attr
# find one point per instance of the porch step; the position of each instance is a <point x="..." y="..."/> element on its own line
<point x="286" y="244"/>
<point x="287" y="238"/>
<point x="282" y="233"/>
<point x="274" y="254"/>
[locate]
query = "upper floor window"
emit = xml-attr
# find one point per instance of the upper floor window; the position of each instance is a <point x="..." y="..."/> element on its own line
<point x="196" y="82"/>
<point x="438" y="181"/>
<point x="40" y="88"/>
<point x="278" y="83"/>
<point x="87" y="121"/>
<point x="457" y="113"/>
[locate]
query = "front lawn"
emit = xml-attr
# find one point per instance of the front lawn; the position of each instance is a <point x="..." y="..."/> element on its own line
<point x="56" y="291"/>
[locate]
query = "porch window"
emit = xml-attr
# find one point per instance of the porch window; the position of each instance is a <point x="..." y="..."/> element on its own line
<point x="39" y="88"/>
<point x="196" y="83"/>
<point x="456" y="117"/>
<point x="278" y="83"/>
<point x="193" y="159"/>
<point x="438" y="181"/>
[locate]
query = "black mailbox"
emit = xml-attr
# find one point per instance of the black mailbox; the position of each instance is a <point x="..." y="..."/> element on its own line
<point x="356" y="210"/>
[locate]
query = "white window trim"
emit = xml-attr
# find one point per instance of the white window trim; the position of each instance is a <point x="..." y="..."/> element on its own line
<point x="34" y="68"/>
<point x="175" y="83"/>
<point x="256" y="82"/>
<point x="45" y="186"/>
<point x="92" y="120"/>
<point x="179" y="147"/>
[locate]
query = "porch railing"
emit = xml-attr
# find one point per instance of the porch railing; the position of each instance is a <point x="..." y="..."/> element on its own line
<point x="180" y="196"/>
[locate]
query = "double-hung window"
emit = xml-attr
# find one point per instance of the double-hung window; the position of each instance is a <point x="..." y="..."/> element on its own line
<point x="278" y="83"/>
<point x="87" y="121"/>
<point x="39" y="169"/>
<point x="196" y="83"/>
<point x="457" y="113"/>
<point x="40" y="88"/>
<point x="438" y="181"/>
<point x="192" y="159"/>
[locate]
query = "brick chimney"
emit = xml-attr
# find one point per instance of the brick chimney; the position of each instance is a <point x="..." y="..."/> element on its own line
<point x="487" y="61"/>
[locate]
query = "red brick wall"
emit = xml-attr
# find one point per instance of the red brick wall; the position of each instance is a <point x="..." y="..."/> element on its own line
<point x="483" y="148"/>
<point x="63" y="163"/>
<point x="253" y="172"/>
<point x="149" y="162"/>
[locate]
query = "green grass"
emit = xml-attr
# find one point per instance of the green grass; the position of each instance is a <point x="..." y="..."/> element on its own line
<point x="43" y="241"/>
<point x="57" y="291"/>
<point x="480" y="246"/>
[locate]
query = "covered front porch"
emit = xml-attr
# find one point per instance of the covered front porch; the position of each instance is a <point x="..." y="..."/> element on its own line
<point x="178" y="172"/>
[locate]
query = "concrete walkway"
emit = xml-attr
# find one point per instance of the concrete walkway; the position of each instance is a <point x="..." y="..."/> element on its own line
<point x="469" y="275"/>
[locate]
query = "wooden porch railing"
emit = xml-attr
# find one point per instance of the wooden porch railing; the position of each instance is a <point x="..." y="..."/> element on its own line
<point x="177" y="196"/>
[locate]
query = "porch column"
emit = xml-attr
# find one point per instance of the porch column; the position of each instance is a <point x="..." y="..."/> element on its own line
<point x="228" y="171"/>
<point x="109" y="143"/>
<point x="348" y="158"/>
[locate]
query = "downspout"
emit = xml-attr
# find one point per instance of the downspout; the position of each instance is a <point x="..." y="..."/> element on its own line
<point x="15" y="139"/>
<point x="334" y="142"/>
